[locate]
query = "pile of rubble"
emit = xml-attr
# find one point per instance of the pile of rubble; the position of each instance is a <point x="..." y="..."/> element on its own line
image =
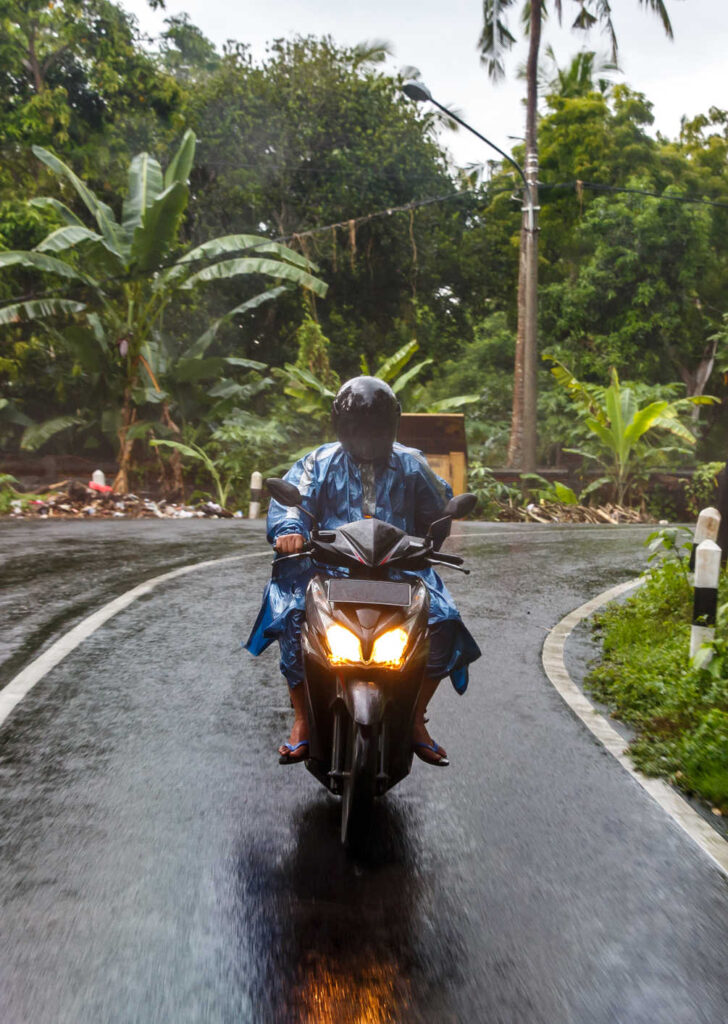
<point x="72" y="499"/>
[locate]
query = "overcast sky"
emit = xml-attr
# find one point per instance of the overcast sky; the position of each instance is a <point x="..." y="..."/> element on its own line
<point x="684" y="76"/>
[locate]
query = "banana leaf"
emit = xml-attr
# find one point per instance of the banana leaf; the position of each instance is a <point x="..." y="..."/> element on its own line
<point x="37" y="434"/>
<point x="249" y="364"/>
<point x="228" y="245"/>
<point x="49" y="203"/>
<point x="394" y="363"/>
<point x="181" y="163"/>
<point x="452" y="403"/>
<point x="297" y="375"/>
<point x="66" y="238"/>
<point x="158" y="232"/>
<point x="644" y="419"/>
<point x="145" y="184"/>
<point x="564" y="494"/>
<point x="404" y="378"/>
<point x="141" y="428"/>
<point x="247" y="265"/>
<point x="39" y="261"/>
<point x="38" y="309"/>
<point x="100" y="211"/>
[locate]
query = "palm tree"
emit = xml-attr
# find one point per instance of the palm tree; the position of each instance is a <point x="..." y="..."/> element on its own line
<point x="494" y="41"/>
<point x="124" y="276"/>
<point x="586" y="72"/>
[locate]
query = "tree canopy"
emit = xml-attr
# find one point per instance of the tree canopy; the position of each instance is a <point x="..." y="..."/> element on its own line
<point x="313" y="153"/>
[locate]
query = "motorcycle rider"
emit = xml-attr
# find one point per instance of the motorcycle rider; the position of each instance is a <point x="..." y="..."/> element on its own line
<point x="365" y="474"/>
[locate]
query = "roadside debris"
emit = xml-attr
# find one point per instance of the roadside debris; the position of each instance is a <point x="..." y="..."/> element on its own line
<point x="554" y="512"/>
<point x="72" y="499"/>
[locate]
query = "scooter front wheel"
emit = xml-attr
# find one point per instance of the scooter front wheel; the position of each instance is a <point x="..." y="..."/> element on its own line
<point x="360" y="782"/>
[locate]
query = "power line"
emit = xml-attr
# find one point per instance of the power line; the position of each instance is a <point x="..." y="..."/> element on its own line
<point x="354" y="222"/>
<point x="350" y="222"/>
<point x="596" y="187"/>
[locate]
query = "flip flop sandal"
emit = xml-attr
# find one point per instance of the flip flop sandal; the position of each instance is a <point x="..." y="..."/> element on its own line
<point x="442" y="762"/>
<point x="286" y="757"/>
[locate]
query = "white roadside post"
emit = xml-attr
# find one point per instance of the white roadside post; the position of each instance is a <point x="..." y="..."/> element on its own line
<point x="706" y="529"/>
<point x="99" y="477"/>
<point x="256" y="493"/>
<point x="705" y="595"/>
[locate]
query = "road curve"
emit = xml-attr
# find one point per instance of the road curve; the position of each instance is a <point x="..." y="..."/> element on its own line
<point x="158" y="865"/>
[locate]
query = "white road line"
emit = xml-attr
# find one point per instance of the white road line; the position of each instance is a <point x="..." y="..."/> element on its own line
<point x="20" y="685"/>
<point x="679" y="809"/>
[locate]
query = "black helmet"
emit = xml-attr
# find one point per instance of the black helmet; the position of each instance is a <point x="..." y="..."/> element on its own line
<point x="365" y="415"/>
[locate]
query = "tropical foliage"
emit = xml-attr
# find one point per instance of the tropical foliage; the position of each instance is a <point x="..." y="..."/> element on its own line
<point x="119" y="308"/>
<point x="169" y="213"/>
<point x="620" y="427"/>
<point x="679" y="711"/>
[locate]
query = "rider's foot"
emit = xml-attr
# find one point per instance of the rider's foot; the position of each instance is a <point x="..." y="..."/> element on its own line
<point x="426" y="748"/>
<point x="299" y="735"/>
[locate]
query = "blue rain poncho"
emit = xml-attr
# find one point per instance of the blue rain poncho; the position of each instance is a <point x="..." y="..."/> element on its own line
<point x="336" y="490"/>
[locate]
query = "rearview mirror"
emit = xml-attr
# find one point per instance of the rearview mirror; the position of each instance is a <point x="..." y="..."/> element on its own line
<point x="460" y="506"/>
<point x="285" y="493"/>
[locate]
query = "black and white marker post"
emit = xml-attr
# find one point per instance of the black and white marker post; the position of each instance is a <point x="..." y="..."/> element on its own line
<point x="705" y="599"/>
<point x="706" y="529"/>
<point x="256" y="493"/>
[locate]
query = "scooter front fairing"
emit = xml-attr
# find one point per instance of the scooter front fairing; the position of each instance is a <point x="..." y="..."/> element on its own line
<point x="365" y="646"/>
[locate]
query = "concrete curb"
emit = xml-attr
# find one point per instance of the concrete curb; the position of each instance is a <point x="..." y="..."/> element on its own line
<point x="661" y="792"/>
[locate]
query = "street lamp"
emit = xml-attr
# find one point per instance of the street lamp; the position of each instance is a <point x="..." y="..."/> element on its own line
<point x="527" y="287"/>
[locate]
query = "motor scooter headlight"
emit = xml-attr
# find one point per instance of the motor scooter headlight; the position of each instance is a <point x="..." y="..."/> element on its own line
<point x="343" y="645"/>
<point x="389" y="648"/>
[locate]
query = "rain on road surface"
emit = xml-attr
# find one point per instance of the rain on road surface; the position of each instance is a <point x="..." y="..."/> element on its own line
<point x="158" y="865"/>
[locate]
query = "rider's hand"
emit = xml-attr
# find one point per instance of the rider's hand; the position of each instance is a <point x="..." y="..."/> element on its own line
<point x="289" y="543"/>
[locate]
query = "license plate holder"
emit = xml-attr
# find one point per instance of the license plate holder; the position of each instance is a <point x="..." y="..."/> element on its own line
<point x="386" y="592"/>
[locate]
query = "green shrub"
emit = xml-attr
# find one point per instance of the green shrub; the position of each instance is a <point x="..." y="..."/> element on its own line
<point x="680" y="711"/>
<point x="702" y="491"/>
<point x="704" y="755"/>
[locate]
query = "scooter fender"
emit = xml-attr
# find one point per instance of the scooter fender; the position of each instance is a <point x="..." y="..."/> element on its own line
<point x="364" y="701"/>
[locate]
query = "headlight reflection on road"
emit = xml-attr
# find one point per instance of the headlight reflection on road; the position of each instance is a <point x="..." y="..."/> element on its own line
<point x="368" y="993"/>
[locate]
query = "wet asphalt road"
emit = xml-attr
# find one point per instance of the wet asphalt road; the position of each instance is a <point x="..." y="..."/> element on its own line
<point x="158" y="865"/>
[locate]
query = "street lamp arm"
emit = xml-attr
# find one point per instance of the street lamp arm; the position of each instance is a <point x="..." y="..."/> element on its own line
<point x="492" y="145"/>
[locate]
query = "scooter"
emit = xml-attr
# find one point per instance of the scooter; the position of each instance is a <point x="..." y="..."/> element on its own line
<point x="365" y="643"/>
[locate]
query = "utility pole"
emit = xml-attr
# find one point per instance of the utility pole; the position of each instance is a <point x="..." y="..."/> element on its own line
<point x="523" y="440"/>
<point x="530" y="348"/>
<point x="522" y="444"/>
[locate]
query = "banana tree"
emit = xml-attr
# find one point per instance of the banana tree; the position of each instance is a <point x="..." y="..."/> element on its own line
<point x="116" y="279"/>
<point x="620" y="427"/>
<point x="314" y="397"/>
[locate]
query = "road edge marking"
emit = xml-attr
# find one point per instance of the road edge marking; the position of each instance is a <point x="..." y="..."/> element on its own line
<point x="21" y="684"/>
<point x="552" y="657"/>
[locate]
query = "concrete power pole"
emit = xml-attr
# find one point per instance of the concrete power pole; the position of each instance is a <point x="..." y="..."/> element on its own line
<point x="523" y="439"/>
<point x="529" y="438"/>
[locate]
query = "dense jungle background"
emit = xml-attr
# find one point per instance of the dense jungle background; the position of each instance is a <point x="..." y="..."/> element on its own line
<point x="297" y="220"/>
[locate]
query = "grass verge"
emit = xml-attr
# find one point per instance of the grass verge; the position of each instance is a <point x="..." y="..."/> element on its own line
<point x="679" y="711"/>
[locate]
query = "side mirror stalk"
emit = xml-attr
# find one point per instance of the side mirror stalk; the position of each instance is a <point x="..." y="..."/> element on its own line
<point x="288" y="494"/>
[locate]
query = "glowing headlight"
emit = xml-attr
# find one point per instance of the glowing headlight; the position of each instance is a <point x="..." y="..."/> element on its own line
<point x="343" y="644"/>
<point x="389" y="647"/>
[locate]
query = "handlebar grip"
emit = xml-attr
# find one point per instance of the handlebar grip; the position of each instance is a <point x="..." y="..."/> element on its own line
<point x="305" y="550"/>
<point x="441" y="556"/>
